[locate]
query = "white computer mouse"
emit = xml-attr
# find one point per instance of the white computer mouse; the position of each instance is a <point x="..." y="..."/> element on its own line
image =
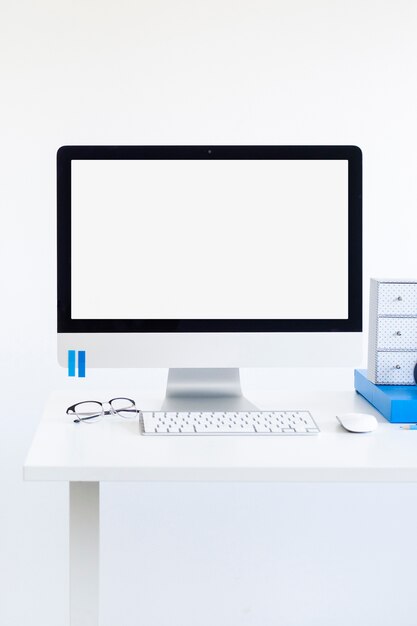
<point x="358" y="422"/>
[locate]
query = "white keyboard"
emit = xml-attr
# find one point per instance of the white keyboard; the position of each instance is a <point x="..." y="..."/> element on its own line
<point x="228" y="423"/>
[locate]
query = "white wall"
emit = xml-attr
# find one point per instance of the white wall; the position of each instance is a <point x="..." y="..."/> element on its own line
<point x="219" y="71"/>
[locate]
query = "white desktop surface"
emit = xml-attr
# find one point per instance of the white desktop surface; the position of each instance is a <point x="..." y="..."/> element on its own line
<point x="113" y="449"/>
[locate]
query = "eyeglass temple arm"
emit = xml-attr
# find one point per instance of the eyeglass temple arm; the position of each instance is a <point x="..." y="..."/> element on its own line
<point x="90" y="417"/>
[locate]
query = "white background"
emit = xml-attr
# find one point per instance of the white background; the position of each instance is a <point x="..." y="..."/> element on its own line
<point x="294" y="72"/>
<point x="209" y="239"/>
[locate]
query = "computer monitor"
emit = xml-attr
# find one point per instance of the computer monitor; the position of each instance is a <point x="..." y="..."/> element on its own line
<point x="205" y="259"/>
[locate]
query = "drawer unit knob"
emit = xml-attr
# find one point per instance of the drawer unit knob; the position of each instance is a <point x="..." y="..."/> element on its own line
<point x="398" y="367"/>
<point x="398" y="333"/>
<point x="399" y="298"/>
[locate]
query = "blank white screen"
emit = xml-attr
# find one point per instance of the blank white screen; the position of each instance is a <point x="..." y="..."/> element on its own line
<point x="209" y="239"/>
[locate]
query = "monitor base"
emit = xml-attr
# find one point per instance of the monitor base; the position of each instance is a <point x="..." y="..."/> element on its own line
<point x="205" y="389"/>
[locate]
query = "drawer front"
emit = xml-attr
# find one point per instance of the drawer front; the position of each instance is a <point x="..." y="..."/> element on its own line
<point x="397" y="299"/>
<point x="397" y="333"/>
<point x="395" y="368"/>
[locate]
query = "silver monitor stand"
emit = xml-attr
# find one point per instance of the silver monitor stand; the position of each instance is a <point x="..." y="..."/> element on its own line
<point x="205" y="389"/>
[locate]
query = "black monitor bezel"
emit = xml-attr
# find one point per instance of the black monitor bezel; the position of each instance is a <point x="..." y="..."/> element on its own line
<point x="66" y="324"/>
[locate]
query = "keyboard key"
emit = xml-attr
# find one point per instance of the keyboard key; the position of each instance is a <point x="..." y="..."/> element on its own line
<point x="247" y="428"/>
<point x="186" y="428"/>
<point x="201" y="428"/>
<point x="262" y="428"/>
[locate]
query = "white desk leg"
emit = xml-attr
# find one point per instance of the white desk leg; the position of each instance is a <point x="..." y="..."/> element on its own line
<point x="84" y="514"/>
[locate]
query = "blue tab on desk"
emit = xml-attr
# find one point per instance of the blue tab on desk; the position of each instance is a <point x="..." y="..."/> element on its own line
<point x="81" y="363"/>
<point x="71" y="362"/>
<point x="398" y="403"/>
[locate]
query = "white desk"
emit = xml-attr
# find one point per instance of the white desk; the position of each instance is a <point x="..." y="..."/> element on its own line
<point x="113" y="450"/>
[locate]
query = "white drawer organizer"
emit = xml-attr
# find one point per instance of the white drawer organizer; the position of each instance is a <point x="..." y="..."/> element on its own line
<point x="392" y="351"/>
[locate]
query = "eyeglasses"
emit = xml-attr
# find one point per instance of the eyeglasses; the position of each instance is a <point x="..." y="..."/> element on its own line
<point x="92" y="411"/>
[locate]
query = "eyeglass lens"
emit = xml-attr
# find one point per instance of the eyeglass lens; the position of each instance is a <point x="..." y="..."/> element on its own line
<point x="124" y="407"/>
<point x="89" y="412"/>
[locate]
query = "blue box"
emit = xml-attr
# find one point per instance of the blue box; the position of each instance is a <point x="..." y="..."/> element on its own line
<point x="398" y="403"/>
<point x="71" y="362"/>
<point x="81" y="363"/>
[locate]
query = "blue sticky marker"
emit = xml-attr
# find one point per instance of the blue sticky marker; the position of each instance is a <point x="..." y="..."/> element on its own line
<point x="71" y="362"/>
<point x="81" y="363"/>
